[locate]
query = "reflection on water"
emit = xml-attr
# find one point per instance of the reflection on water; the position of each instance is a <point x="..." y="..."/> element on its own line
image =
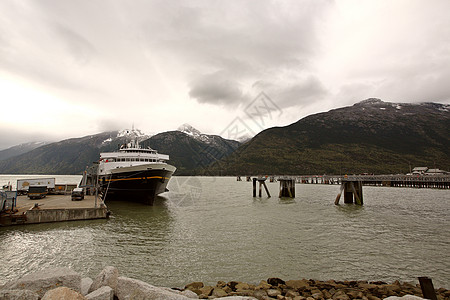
<point x="218" y="231"/>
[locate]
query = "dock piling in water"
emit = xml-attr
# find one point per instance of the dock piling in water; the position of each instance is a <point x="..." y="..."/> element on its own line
<point x="427" y="288"/>
<point x="287" y="187"/>
<point x="262" y="182"/>
<point x="352" y="191"/>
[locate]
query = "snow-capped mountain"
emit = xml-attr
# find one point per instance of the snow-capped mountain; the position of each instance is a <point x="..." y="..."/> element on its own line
<point x="20" y="149"/>
<point x="129" y="134"/>
<point x="195" y="133"/>
<point x="206" y="138"/>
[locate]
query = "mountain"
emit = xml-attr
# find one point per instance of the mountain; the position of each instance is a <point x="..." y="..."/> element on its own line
<point x="69" y="156"/>
<point x="189" y="149"/>
<point x="193" y="132"/>
<point x="72" y="156"/>
<point x="196" y="134"/>
<point x="20" y="149"/>
<point x="371" y="136"/>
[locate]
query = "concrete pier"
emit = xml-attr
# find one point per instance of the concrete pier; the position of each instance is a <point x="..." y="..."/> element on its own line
<point x="53" y="208"/>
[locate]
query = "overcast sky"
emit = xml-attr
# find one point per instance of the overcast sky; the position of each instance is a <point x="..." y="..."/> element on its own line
<point x="74" y="68"/>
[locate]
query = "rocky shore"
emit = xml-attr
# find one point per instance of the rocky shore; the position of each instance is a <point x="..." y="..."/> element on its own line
<point x="64" y="283"/>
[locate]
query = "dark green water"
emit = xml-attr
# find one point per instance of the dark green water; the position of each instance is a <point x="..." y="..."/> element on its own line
<point x="210" y="229"/>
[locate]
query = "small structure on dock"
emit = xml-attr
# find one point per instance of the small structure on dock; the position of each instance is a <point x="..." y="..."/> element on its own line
<point x="287" y="187"/>
<point x="262" y="182"/>
<point x="352" y="192"/>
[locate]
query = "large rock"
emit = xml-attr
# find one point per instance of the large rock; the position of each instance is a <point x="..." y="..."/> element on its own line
<point x="42" y="281"/>
<point x="275" y="281"/>
<point x="297" y="284"/>
<point x="128" y="288"/>
<point x="63" y="293"/>
<point x="189" y="294"/>
<point x="218" y="292"/>
<point x="194" y="286"/>
<point x="406" y="297"/>
<point x="238" y="298"/>
<point x="103" y="293"/>
<point x="86" y="284"/>
<point x="205" y="291"/>
<point x="263" y="285"/>
<point x="260" y="294"/>
<point x="240" y="286"/>
<point x="107" y="277"/>
<point x="273" y="293"/>
<point x="18" y="295"/>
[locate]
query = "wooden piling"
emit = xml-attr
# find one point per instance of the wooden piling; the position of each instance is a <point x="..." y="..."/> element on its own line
<point x="352" y="191"/>
<point x="267" y="190"/>
<point x="348" y="193"/>
<point x="338" y="197"/>
<point x="427" y="287"/>
<point x="262" y="182"/>
<point x="287" y="188"/>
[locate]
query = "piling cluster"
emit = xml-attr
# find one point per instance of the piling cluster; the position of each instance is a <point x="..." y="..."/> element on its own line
<point x="64" y="283"/>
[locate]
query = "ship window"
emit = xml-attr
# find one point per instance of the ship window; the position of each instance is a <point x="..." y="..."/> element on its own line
<point x="127" y="159"/>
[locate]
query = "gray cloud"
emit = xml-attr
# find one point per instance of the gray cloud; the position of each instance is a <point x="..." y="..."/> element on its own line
<point x="244" y="41"/>
<point x="216" y="88"/>
<point x="80" y="48"/>
<point x="12" y="136"/>
<point x="299" y="92"/>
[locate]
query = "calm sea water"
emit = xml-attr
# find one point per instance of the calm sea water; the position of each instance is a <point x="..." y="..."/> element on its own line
<point x="209" y="229"/>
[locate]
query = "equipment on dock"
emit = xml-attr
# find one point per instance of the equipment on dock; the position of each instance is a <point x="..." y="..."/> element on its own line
<point x="37" y="192"/>
<point x="8" y="201"/>
<point x="23" y="185"/>
<point x="77" y="194"/>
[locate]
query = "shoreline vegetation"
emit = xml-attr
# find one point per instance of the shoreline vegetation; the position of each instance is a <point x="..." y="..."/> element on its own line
<point x="64" y="283"/>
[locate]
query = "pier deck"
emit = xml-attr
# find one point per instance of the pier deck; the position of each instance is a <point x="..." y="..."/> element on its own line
<point x="54" y="208"/>
<point x="23" y="203"/>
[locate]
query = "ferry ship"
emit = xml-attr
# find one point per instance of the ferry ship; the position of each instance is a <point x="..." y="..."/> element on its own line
<point x="133" y="174"/>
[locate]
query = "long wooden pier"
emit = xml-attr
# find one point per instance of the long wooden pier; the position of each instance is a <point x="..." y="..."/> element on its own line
<point x="423" y="181"/>
<point x="412" y="181"/>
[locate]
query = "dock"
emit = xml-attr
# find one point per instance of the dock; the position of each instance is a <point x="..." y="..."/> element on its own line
<point x="408" y="181"/>
<point x="53" y="208"/>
